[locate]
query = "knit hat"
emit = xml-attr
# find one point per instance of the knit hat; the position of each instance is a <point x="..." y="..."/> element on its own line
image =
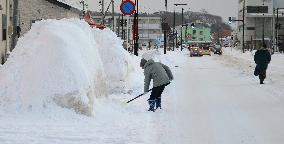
<point x="142" y="62"/>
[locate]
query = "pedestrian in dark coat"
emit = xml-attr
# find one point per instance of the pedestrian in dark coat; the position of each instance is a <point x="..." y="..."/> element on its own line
<point x="161" y="75"/>
<point x="262" y="58"/>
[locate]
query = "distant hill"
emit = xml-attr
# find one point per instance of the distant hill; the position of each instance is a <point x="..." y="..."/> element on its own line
<point x="214" y="22"/>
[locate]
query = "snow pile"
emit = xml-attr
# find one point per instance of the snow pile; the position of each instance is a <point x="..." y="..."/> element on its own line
<point x="117" y="62"/>
<point x="62" y="62"/>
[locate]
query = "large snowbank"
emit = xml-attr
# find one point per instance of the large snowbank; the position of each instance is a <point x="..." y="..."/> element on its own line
<point x="63" y="63"/>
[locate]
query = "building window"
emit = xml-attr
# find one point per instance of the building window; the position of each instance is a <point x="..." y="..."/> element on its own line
<point x="193" y="38"/>
<point x="201" y="39"/>
<point x="194" y="31"/>
<point x="4" y="33"/>
<point x="4" y="27"/>
<point x="201" y="33"/>
<point x="257" y="9"/>
<point x="250" y="28"/>
<point x="33" y="21"/>
<point x="2" y="59"/>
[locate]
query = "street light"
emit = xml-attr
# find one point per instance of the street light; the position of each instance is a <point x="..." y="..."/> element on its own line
<point x="178" y="4"/>
<point x="185" y="35"/>
<point x="243" y="21"/>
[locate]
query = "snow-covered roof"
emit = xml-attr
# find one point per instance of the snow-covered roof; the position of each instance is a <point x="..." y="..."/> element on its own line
<point x="73" y="3"/>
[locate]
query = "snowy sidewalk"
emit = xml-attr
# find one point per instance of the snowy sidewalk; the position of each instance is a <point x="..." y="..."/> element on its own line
<point x="222" y="105"/>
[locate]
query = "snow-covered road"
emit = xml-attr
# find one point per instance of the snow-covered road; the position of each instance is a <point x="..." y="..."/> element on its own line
<point x="207" y="103"/>
<point x="217" y="104"/>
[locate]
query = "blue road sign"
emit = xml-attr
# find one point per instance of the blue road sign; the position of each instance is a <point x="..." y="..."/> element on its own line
<point x="127" y="7"/>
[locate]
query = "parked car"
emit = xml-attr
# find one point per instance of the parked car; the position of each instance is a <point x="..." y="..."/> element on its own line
<point x="218" y="50"/>
<point x="144" y="46"/>
<point x="206" y="50"/>
<point x="226" y="45"/>
<point x="195" y="51"/>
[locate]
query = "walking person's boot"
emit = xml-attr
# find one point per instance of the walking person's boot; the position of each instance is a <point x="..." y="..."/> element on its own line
<point x="152" y="105"/>
<point x="261" y="81"/>
<point x="158" y="103"/>
<point x="262" y="76"/>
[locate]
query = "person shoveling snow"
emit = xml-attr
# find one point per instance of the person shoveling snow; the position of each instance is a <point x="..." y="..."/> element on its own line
<point x="161" y="75"/>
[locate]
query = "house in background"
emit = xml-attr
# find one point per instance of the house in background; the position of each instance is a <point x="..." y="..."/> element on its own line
<point x="6" y="28"/>
<point x="31" y="11"/>
<point x="150" y="28"/>
<point x="201" y="33"/>
<point x="17" y="17"/>
<point x="260" y="21"/>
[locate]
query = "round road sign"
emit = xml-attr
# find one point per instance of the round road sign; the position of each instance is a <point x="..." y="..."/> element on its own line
<point x="127" y="7"/>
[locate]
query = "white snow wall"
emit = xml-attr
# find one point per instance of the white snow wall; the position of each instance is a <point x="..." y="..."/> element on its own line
<point x="62" y="62"/>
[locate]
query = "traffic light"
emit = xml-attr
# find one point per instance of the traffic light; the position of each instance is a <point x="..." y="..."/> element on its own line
<point x="121" y="22"/>
<point x="125" y="22"/>
<point x="278" y="26"/>
<point x="192" y="25"/>
<point x="230" y="20"/>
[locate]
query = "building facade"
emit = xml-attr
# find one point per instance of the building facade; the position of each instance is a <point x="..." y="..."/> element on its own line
<point x="31" y="11"/>
<point x="150" y="29"/>
<point x="259" y="22"/>
<point x="17" y="18"/>
<point x="6" y="28"/>
<point x="199" y="34"/>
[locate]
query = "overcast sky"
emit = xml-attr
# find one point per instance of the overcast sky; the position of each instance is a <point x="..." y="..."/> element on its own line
<point x="224" y="8"/>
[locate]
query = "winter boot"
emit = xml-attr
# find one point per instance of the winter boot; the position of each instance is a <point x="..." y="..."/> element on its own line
<point x="261" y="81"/>
<point x="152" y="105"/>
<point x="158" y="103"/>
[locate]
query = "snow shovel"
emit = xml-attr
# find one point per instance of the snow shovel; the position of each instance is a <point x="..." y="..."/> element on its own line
<point x="138" y="96"/>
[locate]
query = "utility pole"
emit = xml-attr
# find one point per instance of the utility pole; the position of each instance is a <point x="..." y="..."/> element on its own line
<point x="243" y="21"/>
<point x="181" y="28"/>
<point x="185" y="35"/>
<point x="273" y="30"/>
<point x="263" y="21"/>
<point x="174" y="29"/>
<point x="165" y="28"/>
<point x="102" y="11"/>
<point x="113" y="24"/>
<point x="218" y="35"/>
<point x="244" y="5"/>
<point x="118" y="31"/>
<point x="136" y="23"/>
<point x="127" y="31"/>
<point x="83" y="6"/>
<point x="277" y="26"/>
<point x="122" y="27"/>
<point x="179" y="4"/>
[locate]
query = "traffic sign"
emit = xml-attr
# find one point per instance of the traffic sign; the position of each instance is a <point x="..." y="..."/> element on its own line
<point x="127" y="7"/>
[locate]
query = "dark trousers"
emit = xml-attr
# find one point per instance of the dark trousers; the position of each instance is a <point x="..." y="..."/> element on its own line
<point x="155" y="96"/>
<point x="157" y="92"/>
<point x="262" y="75"/>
